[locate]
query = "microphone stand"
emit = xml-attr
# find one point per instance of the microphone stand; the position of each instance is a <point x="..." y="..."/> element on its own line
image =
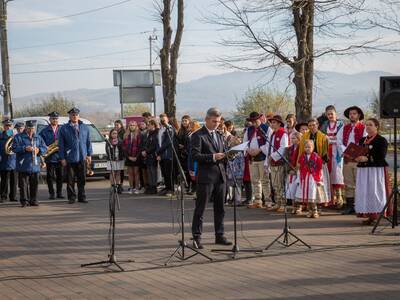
<point x="113" y="202"/>
<point x="286" y="233"/>
<point x="179" y="252"/>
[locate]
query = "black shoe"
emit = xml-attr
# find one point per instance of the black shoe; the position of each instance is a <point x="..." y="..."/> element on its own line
<point x="71" y="201"/>
<point x="13" y="200"/>
<point x="197" y="244"/>
<point x="24" y="204"/>
<point x="34" y="203"/>
<point x="52" y="197"/>
<point x="119" y="189"/>
<point x="163" y="192"/>
<point x="349" y="207"/>
<point x="83" y="201"/>
<point x="60" y="196"/>
<point x="221" y="240"/>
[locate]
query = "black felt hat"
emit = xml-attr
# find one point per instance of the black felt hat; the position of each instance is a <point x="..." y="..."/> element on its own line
<point x="360" y="112"/>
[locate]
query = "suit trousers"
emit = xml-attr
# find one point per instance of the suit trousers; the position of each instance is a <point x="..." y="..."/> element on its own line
<point x="167" y="173"/>
<point x="350" y="174"/>
<point x="8" y="179"/>
<point x="54" y="173"/>
<point x="76" y="172"/>
<point x="260" y="182"/>
<point x="205" y="192"/>
<point x="28" y="186"/>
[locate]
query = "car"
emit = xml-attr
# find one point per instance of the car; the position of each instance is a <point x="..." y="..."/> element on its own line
<point x="99" y="158"/>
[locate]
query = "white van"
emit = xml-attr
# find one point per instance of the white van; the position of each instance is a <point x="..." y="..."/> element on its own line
<point x="99" y="158"/>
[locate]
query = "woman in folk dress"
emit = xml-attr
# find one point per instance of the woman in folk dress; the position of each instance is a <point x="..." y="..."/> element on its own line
<point x="372" y="175"/>
<point x="292" y="155"/>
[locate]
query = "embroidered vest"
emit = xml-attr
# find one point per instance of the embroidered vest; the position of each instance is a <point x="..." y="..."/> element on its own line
<point x="358" y="133"/>
<point x="277" y="137"/>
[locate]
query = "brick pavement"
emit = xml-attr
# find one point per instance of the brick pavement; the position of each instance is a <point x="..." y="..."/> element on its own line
<point x="42" y="248"/>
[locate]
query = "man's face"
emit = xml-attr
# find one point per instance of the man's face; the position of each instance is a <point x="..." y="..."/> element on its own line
<point x="54" y="121"/>
<point x="30" y="131"/>
<point x="354" y="116"/>
<point x="164" y="121"/>
<point x="257" y="123"/>
<point x="212" y="123"/>
<point x="142" y="126"/>
<point x="20" y="129"/>
<point x="74" y="117"/>
<point x="313" y="126"/>
<point x="275" y="125"/>
<point x="331" y="115"/>
<point x="7" y="127"/>
<point x="290" y="122"/>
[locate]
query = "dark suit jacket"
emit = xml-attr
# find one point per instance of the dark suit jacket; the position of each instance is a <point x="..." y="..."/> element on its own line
<point x="203" y="149"/>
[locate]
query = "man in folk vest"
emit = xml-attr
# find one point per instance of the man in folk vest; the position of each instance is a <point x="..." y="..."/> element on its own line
<point x="256" y="136"/>
<point x="290" y="125"/>
<point x="274" y="162"/>
<point x="350" y="133"/>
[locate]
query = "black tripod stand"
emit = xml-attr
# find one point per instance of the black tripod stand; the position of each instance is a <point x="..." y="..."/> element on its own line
<point x="392" y="199"/>
<point x="179" y="252"/>
<point x="113" y="202"/>
<point x="286" y="233"/>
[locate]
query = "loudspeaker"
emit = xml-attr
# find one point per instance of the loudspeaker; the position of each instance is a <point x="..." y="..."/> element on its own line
<point x="389" y="103"/>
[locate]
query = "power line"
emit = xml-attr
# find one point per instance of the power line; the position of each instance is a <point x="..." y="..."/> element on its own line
<point x="72" y="15"/>
<point x="80" y="58"/>
<point x="100" y="68"/>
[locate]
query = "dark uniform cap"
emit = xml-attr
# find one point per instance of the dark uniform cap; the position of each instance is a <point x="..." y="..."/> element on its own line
<point x="20" y="125"/>
<point x="7" y="122"/>
<point x="54" y="114"/>
<point x="30" y="124"/>
<point x="74" y="110"/>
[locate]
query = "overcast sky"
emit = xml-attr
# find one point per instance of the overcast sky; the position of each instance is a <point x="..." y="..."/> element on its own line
<point x="118" y="37"/>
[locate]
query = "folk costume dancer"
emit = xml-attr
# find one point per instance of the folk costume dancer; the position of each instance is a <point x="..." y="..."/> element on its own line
<point x="310" y="179"/>
<point x="28" y="147"/>
<point x="372" y="180"/>
<point x="8" y="184"/>
<point x="335" y="165"/>
<point x="256" y="136"/>
<point x="321" y="146"/>
<point x="350" y="133"/>
<point x="292" y="156"/>
<point x="75" y="149"/>
<point x="274" y="162"/>
<point x="54" y="170"/>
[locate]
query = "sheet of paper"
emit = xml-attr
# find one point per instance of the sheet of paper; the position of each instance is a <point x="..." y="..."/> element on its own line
<point x="240" y="147"/>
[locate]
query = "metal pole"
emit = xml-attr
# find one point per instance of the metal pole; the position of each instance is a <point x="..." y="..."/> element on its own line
<point x="152" y="37"/>
<point x="5" y="64"/>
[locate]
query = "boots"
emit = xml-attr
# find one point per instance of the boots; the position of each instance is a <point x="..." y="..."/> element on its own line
<point x="339" y="199"/>
<point x="349" y="207"/>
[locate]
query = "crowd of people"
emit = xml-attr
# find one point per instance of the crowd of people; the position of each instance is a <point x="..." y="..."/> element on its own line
<point x="303" y="165"/>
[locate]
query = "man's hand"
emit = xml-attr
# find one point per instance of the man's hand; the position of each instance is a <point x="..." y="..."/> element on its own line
<point x="361" y="159"/>
<point x="254" y="152"/>
<point x="88" y="160"/>
<point x="144" y="153"/>
<point x="158" y="158"/>
<point x="219" y="156"/>
<point x="29" y="149"/>
<point x="36" y="150"/>
<point x="63" y="162"/>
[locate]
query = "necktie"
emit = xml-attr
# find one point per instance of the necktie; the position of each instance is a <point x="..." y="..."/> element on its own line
<point x="215" y="139"/>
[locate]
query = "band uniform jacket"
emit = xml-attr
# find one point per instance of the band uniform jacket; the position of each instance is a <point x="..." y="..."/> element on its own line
<point x="26" y="161"/>
<point x="7" y="162"/>
<point x="203" y="148"/>
<point x="49" y="137"/>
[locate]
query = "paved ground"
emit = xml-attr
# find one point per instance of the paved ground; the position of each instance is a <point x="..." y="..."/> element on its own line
<point x="42" y="248"/>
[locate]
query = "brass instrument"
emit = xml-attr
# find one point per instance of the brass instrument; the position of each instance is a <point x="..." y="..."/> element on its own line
<point x="89" y="171"/>
<point x="8" y="146"/>
<point x="51" y="149"/>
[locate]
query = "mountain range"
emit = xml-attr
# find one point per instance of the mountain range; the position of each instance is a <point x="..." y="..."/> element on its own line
<point x="224" y="90"/>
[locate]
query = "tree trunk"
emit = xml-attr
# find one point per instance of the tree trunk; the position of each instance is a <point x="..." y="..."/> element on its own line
<point x="169" y="55"/>
<point x="309" y="63"/>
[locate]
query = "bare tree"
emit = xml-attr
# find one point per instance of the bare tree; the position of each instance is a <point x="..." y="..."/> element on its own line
<point x="169" y="52"/>
<point x="293" y="33"/>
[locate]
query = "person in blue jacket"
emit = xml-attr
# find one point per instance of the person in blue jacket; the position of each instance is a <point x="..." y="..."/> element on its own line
<point x="75" y="150"/>
<point x="7" y="165"/>
<point x="28" y="147"/>
<point x="53" y="164"/>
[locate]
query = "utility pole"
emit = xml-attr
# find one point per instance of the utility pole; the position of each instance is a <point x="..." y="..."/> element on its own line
<point x="153" y="37"/>
<point x="5" y="64"/>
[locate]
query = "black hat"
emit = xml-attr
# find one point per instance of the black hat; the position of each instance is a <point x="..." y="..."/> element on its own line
<point x="278" y="119"/>
<point x="30" y="124"/>
<point x="7" y="122"/>
<point x="74" y="110"/>
<point x="360" y="112"/>
<point x="254" y="116"/>
<point x="19" y="125"/>
<point x="298" y="125"/>
<point x="54" y="114"/>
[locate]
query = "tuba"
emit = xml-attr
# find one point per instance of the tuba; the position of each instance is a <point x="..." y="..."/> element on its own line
<point x="8" y="146"/>
<point x="51" y="149"/>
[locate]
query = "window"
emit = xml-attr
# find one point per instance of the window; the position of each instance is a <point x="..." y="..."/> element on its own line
<point x="95" y="135"/>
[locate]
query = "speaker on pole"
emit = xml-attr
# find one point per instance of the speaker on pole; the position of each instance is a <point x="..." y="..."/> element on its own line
<point x="389" y="97"/>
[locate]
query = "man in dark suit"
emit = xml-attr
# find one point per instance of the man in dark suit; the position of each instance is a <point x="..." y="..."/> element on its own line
<point x="208" y="151"/>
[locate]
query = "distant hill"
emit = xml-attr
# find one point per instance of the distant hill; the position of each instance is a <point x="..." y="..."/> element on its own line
<point x="223" y="91"/>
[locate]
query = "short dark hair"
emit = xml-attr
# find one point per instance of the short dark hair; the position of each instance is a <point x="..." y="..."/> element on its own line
<point x="213" y="112"/>
<point x="146" y="114"/>
<point x="163" y="115"/>
<point x="153" y="122"/>
<point x="330" y="107"/>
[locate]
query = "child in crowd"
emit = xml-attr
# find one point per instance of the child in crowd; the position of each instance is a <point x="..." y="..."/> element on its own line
<point x="292" y="155"/>
<point x="310" y="179"/>
<point x="115" y="157"/>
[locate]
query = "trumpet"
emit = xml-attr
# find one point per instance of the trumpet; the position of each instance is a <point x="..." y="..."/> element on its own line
<point x="8" y="146"/>
<point x="51" y="149"/>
